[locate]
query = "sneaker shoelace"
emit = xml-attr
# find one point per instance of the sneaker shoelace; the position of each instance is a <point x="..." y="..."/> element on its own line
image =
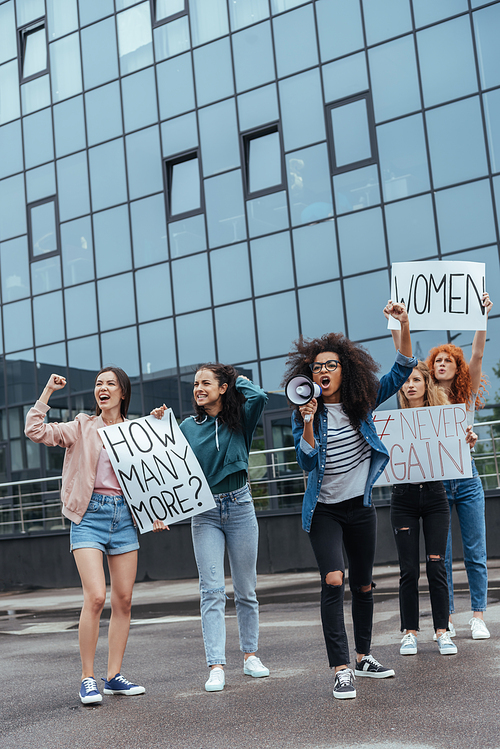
<point x="90" y="684"/>
<point x="445" y="639"/>
<point x="371" y="660"/>
<point x="407" y="640"/>
<point x="254" y="662"/>
<point x="216" y="674"/>
<point x="476" y="623"/>
<point x="345" y="677"/>
<point x="123" y="680"/>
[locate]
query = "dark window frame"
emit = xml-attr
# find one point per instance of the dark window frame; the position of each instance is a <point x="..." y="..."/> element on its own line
<point x="22" y="35"/>
<point x="161" y="21"/>
<point x="168" y="165"/>
<point x="334" y="169"/>
<point x="54" y="253"/>
<point x="245" y="140"/>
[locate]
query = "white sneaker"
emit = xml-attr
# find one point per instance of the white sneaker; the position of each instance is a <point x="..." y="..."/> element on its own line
<point x="253" y="667"/>
<point x="445" y="645"/>
<point x="451" y="631"/>
<point x="479" y="629"/>
<point x="216" y="680"/>
<point x="408" y="645"/>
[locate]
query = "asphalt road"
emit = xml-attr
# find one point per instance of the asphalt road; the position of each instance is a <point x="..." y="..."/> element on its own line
<point x="433" y="702"/>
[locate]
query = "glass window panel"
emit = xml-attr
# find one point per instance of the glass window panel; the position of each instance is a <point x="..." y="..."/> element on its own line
<point x="156" y="359"/>
<point x="219" y="137"/>
<point x="122" y="4"/>
<point x="43" y="228"/>
<point x="225" y="209"/>
<point x="326" y="265"/>
<point x="62" y="17"/>
<point x="14" y="265"/>
<point x="456" y="142"/>
<point x="135" y="38"/>
<point x="492" y="116"/>
<point x="187" y="236"/>
<point x="362" y="242"/>
<point x="351" y="134"/>
<point x="230" y="274"/>
<point x="302" y="110"/>
<point x="34" y="52"/>
<point x="428" y="11"/>
<point x="11" y="149"/>
<point x="360" y="326"/>
<point x="149" y="231"/>
<point x="112" y="241"/>
<point x="253" y="57"/>
<point x="489" y="256"/>
<point x="345" y="77"/>
<point x="107" y="175"/>
<point x="447" y="63"/>
<point x="116" y="301"/>
<point x="171" y="38"/>
<point x="17" y="327"/>
<point x="84" y="360"/>
<point x="272" y="373"/>
<point x="79" y="298"/>
<point x="77" y="251"/>
<point x="9" y="86"/>
<point x="496" y="186"/>
<point x="166" y="8"/>
<point x="258" y="107"/>
<point x="208" y="20"/>
<point x="185" y="187"/>
<point x="394" y="79"/>
<point x="213" y="72"/>
<point x="339" y="27"/>
<point x="309" y="186"/>
<point x="46" y="275"/>
<point x="267" y="213"/>
<point x="20" y="385"/>
<point x="35" y="94"/>
<point x="120" y="348"/>
<point x="272" y="268"/>
<point x="465" y="216"/>
<point x="486" y="25"/>
<point x="282" y="310"/>
<point x="104" y="115"/>
<point x="246" y="12"/>
<point x="65" y="67"/>
<point x="93" y="10"/>
<point x="191" y="283"/>
<point x="8" y="46"/>
<point x="175" y="86"/>
<point x="49" y="318"/>
<point x="139" y="100"/>
<point x="235" y="329"/>
<point x="195" y="327"/>
<point x="144" y="162"/>
<point x="411" y="230"/>
<point x="278" y="6"/>
<point x="180" y="134"/>
<point x="99" y="53"/>
<point x="319" y="304"/>
<point x="295" y="41"/>
<point x="403" y="158"/>
<point x="38" y="138"/>
<point x="357" y="189"/>
<point x="29" y="10"/>
<point x="153" y="292"/>
<point x="264" y="162"/>
<point x="12" y="207"/>
<point x="386" y="18"/>
<point x="69" y="126"/>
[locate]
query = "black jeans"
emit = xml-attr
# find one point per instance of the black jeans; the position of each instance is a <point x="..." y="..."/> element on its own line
<point x="356" y="526"/>
<point x="409" y="503"/>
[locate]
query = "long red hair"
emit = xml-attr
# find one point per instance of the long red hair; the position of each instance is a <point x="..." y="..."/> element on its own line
<point x="461" y="387"/>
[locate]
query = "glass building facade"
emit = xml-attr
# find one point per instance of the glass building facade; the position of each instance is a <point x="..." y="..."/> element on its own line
<point x="193" y="180"/>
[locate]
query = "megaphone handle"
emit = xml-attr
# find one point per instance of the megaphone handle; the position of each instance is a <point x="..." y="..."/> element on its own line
<point x="307" y="418"/>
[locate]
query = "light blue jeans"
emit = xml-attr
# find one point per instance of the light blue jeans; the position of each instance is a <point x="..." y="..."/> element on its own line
<point x="231" y="524"/>
<point x="467" y="496"/>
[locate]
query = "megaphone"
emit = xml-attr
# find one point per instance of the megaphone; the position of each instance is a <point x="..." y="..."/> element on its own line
<point x="300" y="390"/>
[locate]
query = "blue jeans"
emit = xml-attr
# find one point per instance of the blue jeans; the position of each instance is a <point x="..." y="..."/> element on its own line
<point x="231" y="524"/>
<point x="107" y="525"/>
<point x="467" y="496"/>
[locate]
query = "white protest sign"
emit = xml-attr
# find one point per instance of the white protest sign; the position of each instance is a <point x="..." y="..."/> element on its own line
<point x="157" y="470"/>
<point x="440" y="295"/>
<point x="424" y="444"/>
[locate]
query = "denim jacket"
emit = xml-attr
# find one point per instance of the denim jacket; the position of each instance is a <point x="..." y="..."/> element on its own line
<point x="312" y="459"/>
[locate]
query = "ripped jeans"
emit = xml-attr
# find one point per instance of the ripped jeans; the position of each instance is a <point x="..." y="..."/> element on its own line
<point x="409" y="503"/>
<point x="230" y="524"/>
<point x="355" y="525"/>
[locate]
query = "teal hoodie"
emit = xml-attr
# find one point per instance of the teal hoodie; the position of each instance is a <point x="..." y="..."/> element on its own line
<point x="220" y="451"/>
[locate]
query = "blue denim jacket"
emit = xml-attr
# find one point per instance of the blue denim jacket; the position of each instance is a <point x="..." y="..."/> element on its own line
<point x="312" y="459"/>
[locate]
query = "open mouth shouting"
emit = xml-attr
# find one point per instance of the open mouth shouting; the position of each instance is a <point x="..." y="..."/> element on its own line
<point x="324" y="382"/>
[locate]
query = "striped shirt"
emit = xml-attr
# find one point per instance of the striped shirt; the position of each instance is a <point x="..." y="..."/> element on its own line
<point x="347" y="459"/>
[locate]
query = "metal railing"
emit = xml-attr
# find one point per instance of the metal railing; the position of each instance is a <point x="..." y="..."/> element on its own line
<point x="277" y="481"/>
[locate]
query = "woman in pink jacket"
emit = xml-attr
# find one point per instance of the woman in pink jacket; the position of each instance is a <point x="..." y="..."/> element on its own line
<point x="101" y="522"/>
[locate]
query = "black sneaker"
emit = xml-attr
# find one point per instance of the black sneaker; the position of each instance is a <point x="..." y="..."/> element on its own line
<point x="368" y="666"/>
<point x="344" y="688"/>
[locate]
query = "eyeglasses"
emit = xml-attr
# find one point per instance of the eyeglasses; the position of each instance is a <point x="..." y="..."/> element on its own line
<point x="330" y="366"/>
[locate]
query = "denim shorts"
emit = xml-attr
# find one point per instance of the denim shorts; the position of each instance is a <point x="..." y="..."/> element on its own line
<point x="107" y="525"/>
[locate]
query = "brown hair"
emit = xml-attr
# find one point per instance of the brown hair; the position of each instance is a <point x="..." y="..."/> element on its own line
<point x="124" y="383"/>
<point x="434" y="394"/>
<point x="461" y="387"/>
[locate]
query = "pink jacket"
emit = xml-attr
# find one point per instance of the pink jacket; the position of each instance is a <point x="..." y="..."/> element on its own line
<point x="83" y="447"/>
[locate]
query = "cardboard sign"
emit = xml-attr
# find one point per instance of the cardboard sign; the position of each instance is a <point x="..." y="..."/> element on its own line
<point x="440" y="295"/>
<point x="157" y="470"/>
<point x="424" y="444"/>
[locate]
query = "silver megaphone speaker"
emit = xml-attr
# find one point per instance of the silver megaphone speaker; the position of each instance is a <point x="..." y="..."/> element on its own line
<point x="300" y="390"/>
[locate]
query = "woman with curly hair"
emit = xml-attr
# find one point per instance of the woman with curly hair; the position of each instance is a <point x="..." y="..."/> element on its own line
<point x="465" y="383"/>
<point x="228" y="407"/>
<point x="337" y="444"/>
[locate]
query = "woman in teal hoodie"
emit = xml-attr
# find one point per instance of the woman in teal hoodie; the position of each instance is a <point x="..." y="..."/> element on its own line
<point x="228" y="407"/>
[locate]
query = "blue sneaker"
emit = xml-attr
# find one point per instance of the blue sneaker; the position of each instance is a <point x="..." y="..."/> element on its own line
<point x="445" y="645"/>
<point x="120" y="685"/>
<point x="89" y="692"/>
